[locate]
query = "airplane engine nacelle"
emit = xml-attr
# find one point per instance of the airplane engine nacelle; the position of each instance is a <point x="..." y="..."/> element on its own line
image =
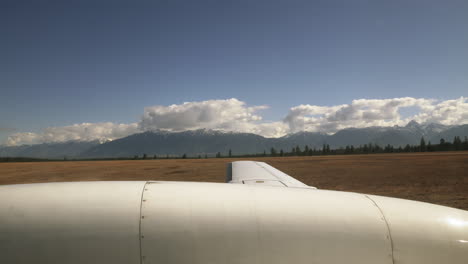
<point x="70" y="222"/>
<point x="169" y="222"/>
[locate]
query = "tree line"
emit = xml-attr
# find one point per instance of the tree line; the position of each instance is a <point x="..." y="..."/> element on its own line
<point x="371" y="148"/>
<point x="456" y="145"/>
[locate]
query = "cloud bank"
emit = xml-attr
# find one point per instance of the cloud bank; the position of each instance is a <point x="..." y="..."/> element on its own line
<point x="376" y="112"/>
<point x="235" y="115"/>
<point x="225" y="115"/>
<point x="360" y="113"/>
<point x="80" y="132"/>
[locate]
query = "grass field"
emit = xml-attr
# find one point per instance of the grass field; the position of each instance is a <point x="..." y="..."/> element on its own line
<point x="440" y="178"/>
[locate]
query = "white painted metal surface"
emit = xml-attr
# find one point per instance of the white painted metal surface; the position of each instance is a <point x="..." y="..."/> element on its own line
<point x="89" y="222"/>
<point x="425" y="233"/>
<point x="254" y="172"/>
<point x="204" y="223"/>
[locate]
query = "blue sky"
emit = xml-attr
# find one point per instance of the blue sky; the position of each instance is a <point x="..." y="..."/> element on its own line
<point x="69" y="62"/>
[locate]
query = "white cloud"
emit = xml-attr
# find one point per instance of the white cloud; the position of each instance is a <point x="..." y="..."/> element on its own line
<point x="24" y="138"/>
<point x="80" y="132"/>
<point x="227" y="115"/>
<point x="308" y="117"/>
<point x="235" y="115"/>
<point x="270" y="129"/>
<point x="449" y="112"/>
<point x="375" y="112"/>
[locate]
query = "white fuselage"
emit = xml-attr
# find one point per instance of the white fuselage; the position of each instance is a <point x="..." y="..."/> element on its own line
<point x="203" y="223"/>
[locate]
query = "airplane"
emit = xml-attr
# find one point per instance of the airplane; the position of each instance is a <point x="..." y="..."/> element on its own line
<point x="260" y="216"/>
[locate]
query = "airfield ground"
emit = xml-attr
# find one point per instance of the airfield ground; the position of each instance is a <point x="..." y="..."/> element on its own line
<point x="440" y="178"/>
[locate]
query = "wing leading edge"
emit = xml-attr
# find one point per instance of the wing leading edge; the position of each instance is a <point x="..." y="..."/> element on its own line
<point x="253" y="172"/>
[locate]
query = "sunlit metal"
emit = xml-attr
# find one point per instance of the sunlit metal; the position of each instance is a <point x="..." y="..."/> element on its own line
<point x="457" y="222"/>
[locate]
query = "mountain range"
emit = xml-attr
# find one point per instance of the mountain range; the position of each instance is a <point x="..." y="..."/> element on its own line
<point x="209" y="142"/>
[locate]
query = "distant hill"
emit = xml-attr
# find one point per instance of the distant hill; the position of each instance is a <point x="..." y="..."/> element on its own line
<point x="209" y="142"/>
<point x="197" y="142"/>
<point x="201" y="142"/>
<point x="70" y="149"/>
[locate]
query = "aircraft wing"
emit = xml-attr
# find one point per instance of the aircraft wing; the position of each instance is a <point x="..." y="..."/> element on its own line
<point x="253" y="172"/>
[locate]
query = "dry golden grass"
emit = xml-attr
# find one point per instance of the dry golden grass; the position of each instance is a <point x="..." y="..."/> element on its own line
<point x="440" y="178"/>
